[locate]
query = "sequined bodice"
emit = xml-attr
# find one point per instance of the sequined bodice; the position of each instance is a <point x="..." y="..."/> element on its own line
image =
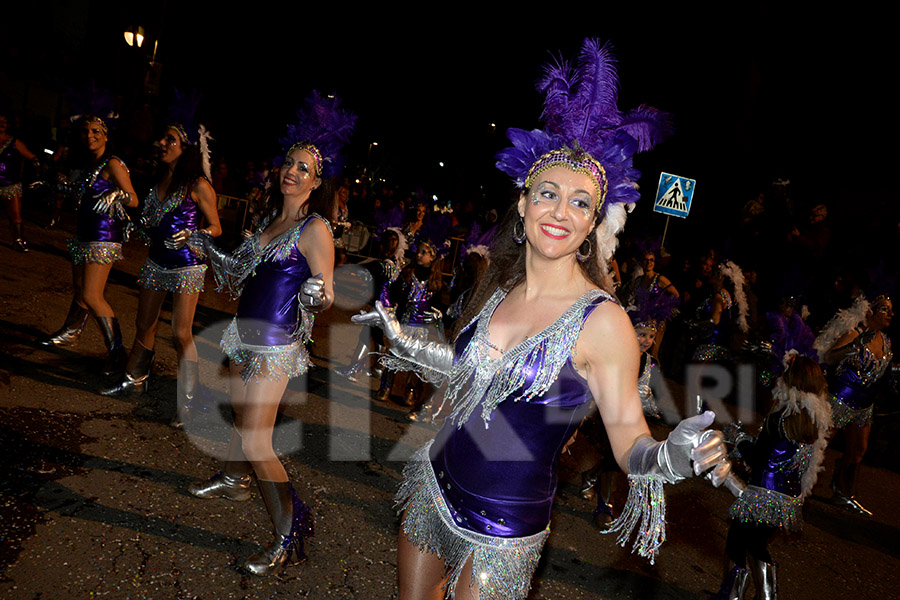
<point x="417" y="299"/>
<point x="10" y="163"/>
<point x="778" y="463"/>
<point x="858" y="373"/>
<point x="163" y="219"/>
<point x="91" y="226"/>
<point x="501" y="478"/>
<point x="270" y="292"/>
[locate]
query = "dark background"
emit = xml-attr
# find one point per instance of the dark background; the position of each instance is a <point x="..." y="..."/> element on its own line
<point x="757" y="91"/>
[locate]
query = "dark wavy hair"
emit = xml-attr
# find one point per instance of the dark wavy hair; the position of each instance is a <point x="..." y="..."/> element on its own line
<point x="507" y="268"/>
<point x="322" y="200"/>
<point x="188" y="167"/>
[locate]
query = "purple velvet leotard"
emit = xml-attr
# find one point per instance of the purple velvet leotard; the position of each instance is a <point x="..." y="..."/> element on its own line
<point x="10" y="165"/>
<point x="852" y="384"/>
<point x="179" y="271"/>
<point x="271" y="329"/>
<point x="485" y="485"/>
<point x="98" y="238"/>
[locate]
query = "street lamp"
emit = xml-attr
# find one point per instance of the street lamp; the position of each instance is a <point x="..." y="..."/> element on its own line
<point x="134" y="36"/>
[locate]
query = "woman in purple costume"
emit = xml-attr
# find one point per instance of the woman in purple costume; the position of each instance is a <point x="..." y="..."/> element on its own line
<point x="540" y="339"/>
<point x="12" y="151"/>
<point x="178" y="203"/>
<point x="857" y="361"/>
<point x="784" y="460"/>
<point x="284" y="275"/>
<point x="103" y="192"/>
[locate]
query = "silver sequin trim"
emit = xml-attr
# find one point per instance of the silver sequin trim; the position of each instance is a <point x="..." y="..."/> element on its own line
<point x="502" y="568"/>
<point x="275" y="362"/>
<point x="761" y="506"/>
<point x="102" y="253"/>
<point x="842" y="415"/>
<point x="183" y="280"/>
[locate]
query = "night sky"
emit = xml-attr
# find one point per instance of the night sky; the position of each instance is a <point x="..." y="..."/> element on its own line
<point x="756" y="91"/>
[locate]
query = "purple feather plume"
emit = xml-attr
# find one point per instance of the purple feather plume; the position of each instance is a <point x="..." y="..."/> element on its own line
<point x="322" y="122"/>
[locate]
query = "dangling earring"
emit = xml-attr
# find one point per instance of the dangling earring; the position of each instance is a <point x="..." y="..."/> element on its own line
<point x="583" y="256"/>
<point x="517" y="237"/>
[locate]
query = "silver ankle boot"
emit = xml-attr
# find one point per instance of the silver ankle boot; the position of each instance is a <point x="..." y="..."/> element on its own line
<point x="222" y="485"/>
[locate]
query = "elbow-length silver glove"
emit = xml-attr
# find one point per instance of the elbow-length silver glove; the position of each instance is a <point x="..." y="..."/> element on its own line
<point x="201" y="243"/>
<point x="112" y="204"/>
<point x="690" y="449"/>
<point x="433" y="355"/>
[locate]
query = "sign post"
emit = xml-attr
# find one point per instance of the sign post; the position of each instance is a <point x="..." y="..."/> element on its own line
<point x="674" y="195"/>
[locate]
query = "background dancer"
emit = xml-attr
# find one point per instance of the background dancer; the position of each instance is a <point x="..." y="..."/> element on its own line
<point x="12" y="151"/>
<point x="284" y="274"/>
<point x="180" y="200"/>
<point x="103" y="190"/>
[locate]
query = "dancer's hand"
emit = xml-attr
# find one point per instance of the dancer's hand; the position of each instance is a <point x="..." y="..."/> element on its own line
<point x="312" y="293"/>
<point x="380" y="317"/>
<point x="177" y="241"/>
<point x="112" y="204"/>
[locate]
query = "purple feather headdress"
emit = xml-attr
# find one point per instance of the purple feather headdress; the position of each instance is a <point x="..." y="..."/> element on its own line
<point x="651" y="309"/>
<point x="322" y="128"/>
<point x="585" y="131"/>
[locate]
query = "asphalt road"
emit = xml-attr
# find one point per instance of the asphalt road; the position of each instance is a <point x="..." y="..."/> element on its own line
<point x="93" y="500"/>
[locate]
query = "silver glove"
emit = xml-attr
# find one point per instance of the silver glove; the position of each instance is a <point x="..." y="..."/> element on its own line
<point x="687" y="443"/>
<point x="112" y="204"/>
<point x="433" y="355"/>
<point x="202" y="244"/>
<point x="312" y="293"/>
<point x="177" y="241"/>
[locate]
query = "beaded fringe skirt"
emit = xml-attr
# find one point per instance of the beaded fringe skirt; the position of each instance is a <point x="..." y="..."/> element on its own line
<point x="842" y="415"/>
<point x="183" y="280"/>
<point x="102" y="253"/>
<point x="761" y="506"/>
<point x="273" y="362"/>
<point x="502" y="568"/>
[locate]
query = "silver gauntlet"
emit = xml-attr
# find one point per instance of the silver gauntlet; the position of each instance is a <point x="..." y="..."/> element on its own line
<point x="178" y="241"/>
<point x="312" y="293"/>
<point x="202" y="244"/>
<point x="112" y="204"/>
<point x="432" y="355"/>
<point x="688" y="443"/>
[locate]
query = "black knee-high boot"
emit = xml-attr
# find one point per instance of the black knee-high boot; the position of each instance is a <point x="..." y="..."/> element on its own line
<point x="112" y="337"/>
<point x="292" y="522"/>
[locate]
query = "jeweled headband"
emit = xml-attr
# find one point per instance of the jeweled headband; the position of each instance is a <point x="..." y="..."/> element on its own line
<point x="181" y="132"/>
<point x="99" y="121"/>
<point x="317" y="156"/>
<point x="577" y="160"/>
<point x="647" y="324"/>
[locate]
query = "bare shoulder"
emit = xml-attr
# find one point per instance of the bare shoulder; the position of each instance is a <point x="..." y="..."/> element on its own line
<point x="203" y="187"/>
<point x="607" y="331"/>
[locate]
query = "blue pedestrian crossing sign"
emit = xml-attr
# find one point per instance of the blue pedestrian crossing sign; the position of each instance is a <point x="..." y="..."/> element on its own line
<point x="674" y="195"/>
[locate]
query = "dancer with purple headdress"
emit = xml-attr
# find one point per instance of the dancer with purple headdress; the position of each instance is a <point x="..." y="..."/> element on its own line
<point x="103" y="191"/>
<point x="540" y="338"/>
<point x="178" y="203"/>
<point x="284" y="276"/>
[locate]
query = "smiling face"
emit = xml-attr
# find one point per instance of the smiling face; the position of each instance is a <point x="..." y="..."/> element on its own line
<point x="297" y="175"/>
<point x="558" y="212"/>
<point x="646" y="336"/>
<point x="94" y="138"/>
<point x="648" y="263"/>
<point x="170" y="146"/>
<point x="881" y="315"/>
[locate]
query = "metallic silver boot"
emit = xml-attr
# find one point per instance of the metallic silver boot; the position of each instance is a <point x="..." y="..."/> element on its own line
<point x="292" y="520"/>
<point x="734" y="584"/>
<point x="71" y="330"/>
<point x="188" y="382"/>
<point x="843" y="486"/>
<point x="764" y="579"/>
<point x="112" y="337"/>
<point x="137" y="372"/>
<point x="222" y="485"/>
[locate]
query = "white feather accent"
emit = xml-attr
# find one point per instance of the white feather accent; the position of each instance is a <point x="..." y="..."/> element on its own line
<point x="793" y="401"/>
<point x="734" y="273"/>
<point x="606" y="232"/>
<point x="402" y="246"/>
<point x="204" y="151"/>
<point x="481" y="249"/>
<point x="842" y="322"/>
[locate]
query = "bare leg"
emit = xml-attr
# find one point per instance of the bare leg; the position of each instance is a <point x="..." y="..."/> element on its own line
<point x="261" y="398"/>
<point x="184" y="306"/>
<point x="421" y="573"/>
<point x="93" y="292"/>
<point x="147" y="319"/>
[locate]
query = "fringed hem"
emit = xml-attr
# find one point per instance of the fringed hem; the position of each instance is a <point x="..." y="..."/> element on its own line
<point x="102" y="253"/>
<point x="761" y="506"/>
<point x="11" y="192"/>
<point x="842" y="415"/>
<point x="182" y="280"/>
<point x="502" y="568"/>
<point x="645" y="509"/>
<point x="274" y="362"/>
